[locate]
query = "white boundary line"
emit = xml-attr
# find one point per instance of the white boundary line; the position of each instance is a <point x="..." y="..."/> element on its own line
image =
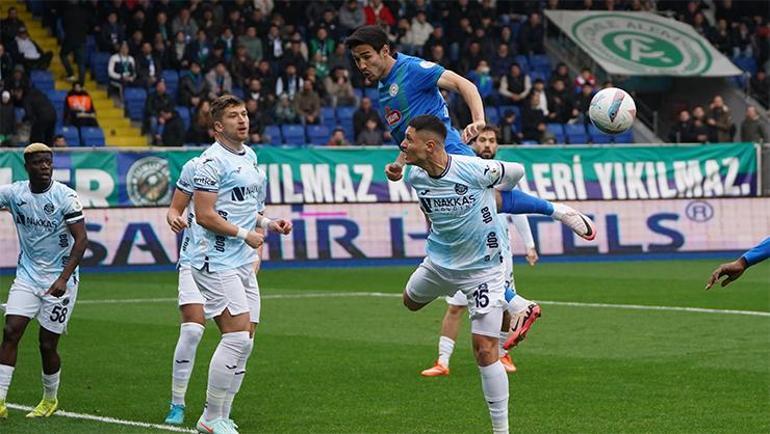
<point x="389" y="295"/>
<point x="111" y="420"/>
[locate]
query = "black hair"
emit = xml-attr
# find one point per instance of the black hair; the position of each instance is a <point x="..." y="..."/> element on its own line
<point x="430" y="123"/>
<point x="371" y="35"/>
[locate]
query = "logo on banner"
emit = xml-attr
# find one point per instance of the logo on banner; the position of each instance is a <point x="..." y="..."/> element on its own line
<point x="147" y="181"/>
<point x="699" y="211"/>
<point x="643" y="45"/>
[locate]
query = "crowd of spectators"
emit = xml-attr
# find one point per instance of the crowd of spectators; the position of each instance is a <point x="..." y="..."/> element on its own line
<point x="715" y="125"/>
<point x="288" y="60"/>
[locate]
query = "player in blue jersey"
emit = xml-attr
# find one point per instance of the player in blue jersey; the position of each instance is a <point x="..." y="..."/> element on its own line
<point x="520" y="314"/>
<point x="734" y="270"/>
<point x="52" y="234"/>
<point x="464" y="247"/>
<point x="228" y="201"/>
<point x="409" y="86"/>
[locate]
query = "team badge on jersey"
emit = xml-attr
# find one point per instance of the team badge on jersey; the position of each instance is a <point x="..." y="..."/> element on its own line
<point x="427" y="64"/>
<point x="393" y="90"/>
<point x="461" y="189"/>
<point x="392" y="116"/>
<point x="49" y="208"/>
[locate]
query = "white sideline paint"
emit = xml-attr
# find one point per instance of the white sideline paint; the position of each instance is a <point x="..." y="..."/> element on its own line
<point x="395" y="295"/>
<point x="111" y="420"/>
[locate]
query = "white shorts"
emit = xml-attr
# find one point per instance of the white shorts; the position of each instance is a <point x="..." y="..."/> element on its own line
<point x="53" y="313"/>
<point x="459" y="299"/>
<point x="235" y="290"/>
<point x="188" y="290"/>
<point x="483" y="290"/>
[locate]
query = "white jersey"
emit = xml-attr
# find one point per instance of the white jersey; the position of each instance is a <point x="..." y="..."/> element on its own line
<point x="240" y="186"/>
<point x="465" y="231"/>
<point x="185" y="185"/>
<point x="41" y="224"/>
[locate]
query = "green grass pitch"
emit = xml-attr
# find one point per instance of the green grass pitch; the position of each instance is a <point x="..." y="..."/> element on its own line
<point x="351" y="364"/>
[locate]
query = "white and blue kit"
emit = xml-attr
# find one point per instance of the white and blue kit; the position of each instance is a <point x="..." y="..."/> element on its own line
<point x="187" y="289"/>
<point x="465" y="246"/>
<point x="45" y="239"/>
<point x="223" y="267"/>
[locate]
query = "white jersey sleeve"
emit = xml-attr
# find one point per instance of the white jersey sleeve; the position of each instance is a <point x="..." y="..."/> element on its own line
<point x="71" y="206"/>
<point x="5" y="196"/>
<point x="207" y="175"/>
<point x="185" y="181"/>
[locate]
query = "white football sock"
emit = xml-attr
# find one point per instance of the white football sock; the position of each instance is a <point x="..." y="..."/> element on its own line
<point x="6" y="373"/>
<point x="51" y="385"/>
<point x="190" y="334"/>
<point x="494" y="382"/>
<point x="500" y="341"/>
<point x="222" y="369"/>
<point x="445" y="348"/>
<point x="518" y="304"/>
<point x="235" y="386"/>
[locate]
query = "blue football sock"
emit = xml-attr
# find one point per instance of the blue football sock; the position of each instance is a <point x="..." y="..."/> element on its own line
<point x="517" y="202"/>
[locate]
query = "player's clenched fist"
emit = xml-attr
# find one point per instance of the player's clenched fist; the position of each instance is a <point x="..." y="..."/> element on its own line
<point x="254" y="239"/>
<point x="178" y="224"/>
<point x="394" y="171"/>
<point x="280" y="226"/>
<point x="472" y="130"/>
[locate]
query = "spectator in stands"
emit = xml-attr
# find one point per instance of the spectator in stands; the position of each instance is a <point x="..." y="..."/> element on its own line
<point x="365" y="113"/>
<point x="59" y="141"/>
<point x="682" y="131"/>
<point x="403" y="37"/>
<point x="18" y="78"/>
<point x="288" y="84"/>
<point x="561" y="106"/>
<point x="39" y="112"/>
<point x="121" y="69"/>
<point x="201" y="131"/>
<point x="483" y="81"/>
<point x="148" y="67"/>
<point x="752" y="130"/>
<point x="378" y="13"/>
<point x="209" y="24"/>
<point x="241" y="67"/>
<point x="720" y="121"/>
<point x="257" y="92"/>
<point x="74" y="40"/>
<point x="700" y="25"/>
<point x="759" y="88"/>
<point x="421" y="28"/>
<point x="178" y="52"/>
<point x="193" y="86"/>
<point x="531" y="117"/>
<point x="351" y="16"/>
<point x="161" y="52"/>
<point x="295" y="55"/>
<point x="700" y="130"/>
<point x="6" y="66"/>
<point x="506" y="37"/>
<point x="307" y="104"/>
<point x="170" y="128"/>
<point x="321" y="43"/>
<point x="227" y="41"/>
<point x="161" y="26"/>
<point x="156" y="101"/>
<point x="532" y="35"/>
<point x="252" y="43"/>
<point x="438" y="56"/>
<point x="501" y="62"/>
<point x="470" y="58"/>
<point x="583" y="101"/>
<point x="274" y="51"/>
<point x="561" y="72"/>
<point x="265" y="74"/>
<point x="721" y="38"/>
<point x="371" y="135"/>
<point x="338" y="138"/>
<point x="584" y="77"/>
<point x="200" y="49"/>
<point x="283" y="112"/>
<point x="257" y="121"/>
<point x="486" y="44"/>
<point x="437" y="37"/>
<point x="111" y="35"/>
<point x="508" y="133"/>
<point x="7" y="119"/>
<point x="741" y="41"/>
<point x="515" y="86"/>
<point x="332" y="25"/>
<point x="219" y="80"/>
<point x="539" y="86"/>
<point x="339" y="58"/>
<point x="339" y="88"/>
<point x="79" y="108"/>
<point x="9" y="27"/>
<point x="29" y="53"/>
<point x="185" y="24"/>
<point x="135" y="43"/>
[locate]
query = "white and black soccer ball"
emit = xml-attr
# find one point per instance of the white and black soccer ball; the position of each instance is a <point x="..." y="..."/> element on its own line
<point x="612" y="110"/>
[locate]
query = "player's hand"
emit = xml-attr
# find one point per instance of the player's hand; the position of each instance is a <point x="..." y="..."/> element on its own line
<point x="254" y="239"/>
<point x="178" y="224"/>
<point x="732" y="270"/>
<point x="394" y="171"/>
<point x="532" y="257"/>
<point x="280" y="226"/>
<point x="472" y="130"/>
<point x="58" y="287"/>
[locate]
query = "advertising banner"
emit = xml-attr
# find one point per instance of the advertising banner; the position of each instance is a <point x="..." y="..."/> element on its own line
<point x="642" y="44"/>
<point x="353" y="175"/>
<point x="350" y="232"/>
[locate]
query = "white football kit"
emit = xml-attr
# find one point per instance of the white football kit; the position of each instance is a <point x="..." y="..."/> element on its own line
<point x="187" y="289"/>
<point x="222" y="266"/>
<point x="41" y="224"/>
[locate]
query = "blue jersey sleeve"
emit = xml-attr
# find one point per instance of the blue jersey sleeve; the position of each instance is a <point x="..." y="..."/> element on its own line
<point x="423" y="75"/>
<point x="758" y="253"/>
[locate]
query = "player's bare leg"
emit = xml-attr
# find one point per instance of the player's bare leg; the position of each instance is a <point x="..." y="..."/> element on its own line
<point x="49" y="343"/>
<point x="13" y="330"/>
<point x="494" y="380"/>
<point x="446" y="343"/>
<point x="193" y="324"/>
<point x="505" y="357"/>
<point x="581" y="224"/>
<point x="411" y="304"/>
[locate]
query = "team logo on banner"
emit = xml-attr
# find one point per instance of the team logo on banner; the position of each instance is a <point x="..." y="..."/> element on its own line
<point x="147" y="181"/>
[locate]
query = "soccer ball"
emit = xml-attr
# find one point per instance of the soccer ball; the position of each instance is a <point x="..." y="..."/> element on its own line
<point x="612" y="110"/>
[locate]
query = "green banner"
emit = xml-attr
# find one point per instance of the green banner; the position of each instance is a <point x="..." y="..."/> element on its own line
<point x="354" y="175"/>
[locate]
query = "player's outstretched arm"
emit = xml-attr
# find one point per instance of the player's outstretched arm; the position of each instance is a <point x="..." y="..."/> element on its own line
<point x="175" y="215"/>
<point x="510" y="176"/>
<point x="209" y="219"/>
<point x="521" y="223"/>
<point x="734" y="270"/>
<point x="456" y="83"/>
<point x="395" y="170"/>
<point x="78" y="231"/>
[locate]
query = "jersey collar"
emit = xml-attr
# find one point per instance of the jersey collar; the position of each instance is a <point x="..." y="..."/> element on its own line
<point x="29" y="186"/>
<point x="230" y="150"/>
<point x="446" y="169"/>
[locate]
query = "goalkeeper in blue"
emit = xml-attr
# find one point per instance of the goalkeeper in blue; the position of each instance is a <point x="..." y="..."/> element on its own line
<point x="734" y="270"/>
<point x="52" y="235"/>
<point x="410" y="86"/>
<point x="464" y="247"/>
